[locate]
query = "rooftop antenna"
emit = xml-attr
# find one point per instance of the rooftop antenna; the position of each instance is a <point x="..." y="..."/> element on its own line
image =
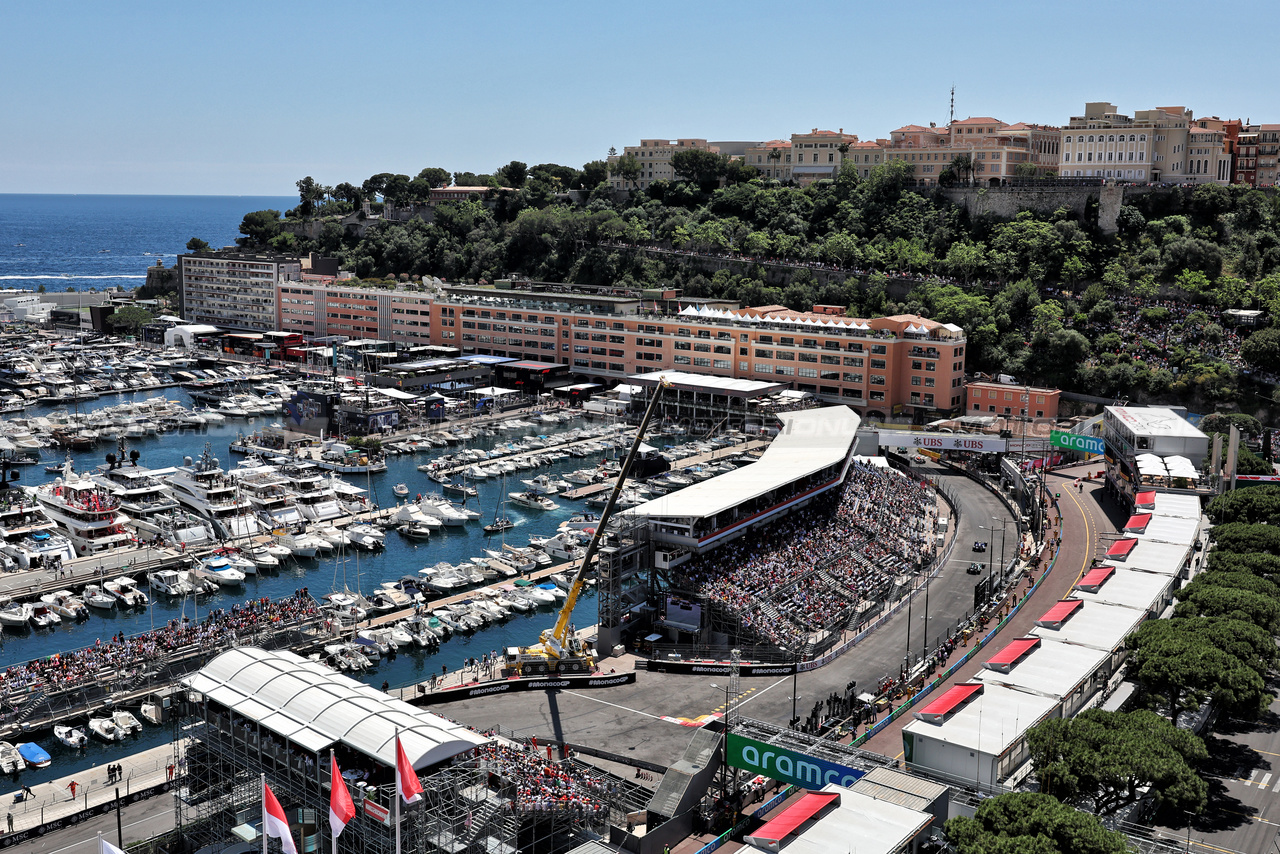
<point x="953" y="105"/>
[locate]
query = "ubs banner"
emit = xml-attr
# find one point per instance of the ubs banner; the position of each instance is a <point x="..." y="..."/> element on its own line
<point x="778" y="763"/>
<point x="941" y="441"/>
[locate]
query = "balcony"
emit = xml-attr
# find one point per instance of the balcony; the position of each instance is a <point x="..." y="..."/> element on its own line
<point x="925" y="353"/>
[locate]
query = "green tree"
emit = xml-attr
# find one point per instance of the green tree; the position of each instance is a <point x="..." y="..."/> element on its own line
<point x="1181" y="662"/>
<point x="1261" y="350"/>
<point x="1222" y="422"/>
<point x="962" y="167"/>
<point x="592" y="174"/>
<point x="1256" y="504"/>
<point x="699" y="166"/>
<point x="195" y="244"/>
<point x="309" y="192"/>
<point x="1106" y="758"/>
<point x="1031" y="823"/>
<point x="258" y="227"/>
<point x="966" y="260"/>
<point x="349" y="193"/>
<point x="131" y="317"/>
<point x="627" y="168"/>
<point x="513" y="174"/>
<point x="435" y="177"/>
<point x="1245" y="537"/>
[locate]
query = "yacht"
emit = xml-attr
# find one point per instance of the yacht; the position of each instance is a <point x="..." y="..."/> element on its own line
<point x="66" y="604"/>
<point x="85" y="512"/>
<point x="446" y="511"/>
<point x="313" y="493"/>
<point x="139" y="490"/>
<point x="270" y="492"/>
<point x="206" y="489"/>
<point x="168" y="581"/>
<point x="303" y="545"/>
<point x="532" y="501"/>
<point x="177" y="527"/>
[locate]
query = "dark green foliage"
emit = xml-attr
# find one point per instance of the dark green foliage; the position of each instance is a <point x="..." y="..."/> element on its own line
<point x="1256" y="504"/>
<point x="1030" y="823"/>
<point x="1246" y="537"/>
<point x="1104" y="758"/>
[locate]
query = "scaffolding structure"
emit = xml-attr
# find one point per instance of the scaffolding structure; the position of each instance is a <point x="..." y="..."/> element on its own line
<point x="469" y="806"/>
<point x="624" y="577"/>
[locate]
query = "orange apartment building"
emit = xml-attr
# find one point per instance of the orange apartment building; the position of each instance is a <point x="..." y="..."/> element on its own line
<point x="903" y="365"/>
<point x="1004" y="399"/>
<point x="996" y="149"/>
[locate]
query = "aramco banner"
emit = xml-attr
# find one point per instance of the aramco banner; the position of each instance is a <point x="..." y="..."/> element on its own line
<point x="941" y="441"/>
<point x="1077" y="442"/>
<point x="778" y="763"/>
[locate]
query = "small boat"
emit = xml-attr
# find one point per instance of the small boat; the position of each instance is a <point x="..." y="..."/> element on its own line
<point x="96" y="597"/>
<point x="222" y="573"/>
<point x="34" y="755"/>
<point x="43" y="617"/>
<point x="11" y="761"/>
<point x="232" y="558"/>
<point x="261" y="558"/>
<point x="70" y="736"/>
<point x="15" y="615"/>
<point x="105" y="729"/>
<point x="498" y="525"/>
<point x="400" y="489"/>
<point x="126" y="723"/>
<point x="415" y="531"/>
<point x="532" y="501"/>
<point x="126" y="591"/>
<point x="461" y="489"/>
<point x="66" y="604"/>
<point x="170" y="582"/>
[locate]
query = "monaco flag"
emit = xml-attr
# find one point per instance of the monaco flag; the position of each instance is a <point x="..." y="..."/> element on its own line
<point x="341" y="808"/>
<point x="406" y="778"/>
<point x="273" y="821"/>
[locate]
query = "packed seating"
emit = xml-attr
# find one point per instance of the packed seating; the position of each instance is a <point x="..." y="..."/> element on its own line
<point x="541" y="785"/>
<point x="804" y="575"/>
<point x="125" y="655"/>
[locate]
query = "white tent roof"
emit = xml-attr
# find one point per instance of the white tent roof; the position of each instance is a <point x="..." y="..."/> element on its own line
<point x="492" y="391"/>
<point x="810" y="440"/>
<point x="313" y="706"/>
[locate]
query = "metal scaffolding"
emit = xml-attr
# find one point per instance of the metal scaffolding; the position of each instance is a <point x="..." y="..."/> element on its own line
<point x="468" y="807"/>
<point x="625" y="570"/>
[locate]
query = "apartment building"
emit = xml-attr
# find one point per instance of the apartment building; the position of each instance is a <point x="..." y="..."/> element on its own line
<point x="997" y="150"/>
<point x="1017" y="401"/>
<point x="234" y="290"/>
<point x="890" y="365"/>
<point x="317" y="309"/>
<point x="819" y="154"/>
<point x="654" y="157"/>
<point x="1267" y="167"/>
<point x="774" y="159"/>
<point x="771" y="159"/>
<point x="1159" y="145"/>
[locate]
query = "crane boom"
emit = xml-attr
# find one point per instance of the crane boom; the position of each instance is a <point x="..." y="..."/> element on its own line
<point x="555" y="642"/>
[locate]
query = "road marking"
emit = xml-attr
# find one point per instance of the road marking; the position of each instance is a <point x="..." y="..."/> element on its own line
<point x="616" y="706"/>
<point x="1265" y="780"/>
<point x="1252" y="778"/>
<point x="1267" y="752"/>
<point x="94" y="841"/>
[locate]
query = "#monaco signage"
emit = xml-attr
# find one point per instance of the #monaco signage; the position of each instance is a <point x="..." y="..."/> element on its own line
<point x="1076" y="442"/>
<point x="778" y="763"/>
<point x="941" y="441"/>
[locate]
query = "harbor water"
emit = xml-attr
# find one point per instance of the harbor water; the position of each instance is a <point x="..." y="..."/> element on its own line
<point x="353" y="570"/>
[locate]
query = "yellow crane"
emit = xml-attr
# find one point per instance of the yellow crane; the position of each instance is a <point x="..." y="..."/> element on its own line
<point x="557" y="651"/>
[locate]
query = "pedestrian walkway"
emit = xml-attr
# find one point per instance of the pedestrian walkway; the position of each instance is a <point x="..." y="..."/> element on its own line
<point x="93" y="789"/>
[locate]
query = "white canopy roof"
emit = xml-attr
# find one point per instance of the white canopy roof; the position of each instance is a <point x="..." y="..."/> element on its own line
<point x="314" y="707"/>
<point x="810" y="440"/>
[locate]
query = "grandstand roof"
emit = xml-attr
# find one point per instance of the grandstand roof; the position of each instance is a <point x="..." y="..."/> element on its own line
<point x="314" y="707"/>
<point x="1095" y="578"/>
<point x="810" y="440"/>
<point x="1093" y="625"/>
<point x="1169" y="529"/>
<point x="1052" y="669"/>
<point x="990" y="723"/>
<point x="1153" y="556"/>
<point x="1130" y="589"/>
<point x="708" y="383"/>
<point x="1175" y="505"/>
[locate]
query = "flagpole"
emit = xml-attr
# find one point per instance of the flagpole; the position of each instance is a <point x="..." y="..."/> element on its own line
<point x="333" y="831"/>
<point x="396" y="798"/>
<point x="99" y="851"/>
<point x="263" y="792"/>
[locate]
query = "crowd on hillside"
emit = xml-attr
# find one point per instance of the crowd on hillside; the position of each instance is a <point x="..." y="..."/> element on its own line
<point x="807" y="573"/>
<point x="540" y="784"/>
<point x="1133" y="329"/>
<point x="121" y="655"/>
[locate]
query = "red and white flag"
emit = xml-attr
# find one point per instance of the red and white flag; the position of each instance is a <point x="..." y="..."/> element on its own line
<point x="341" y="807"/>
<point x="406" y="778"/>
<point x="273" y="821"/>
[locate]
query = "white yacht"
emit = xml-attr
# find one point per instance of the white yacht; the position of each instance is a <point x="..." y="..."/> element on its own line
<point x="206" y="489"/>
<point x="88" y="514"/>
<point x="269" y="491"/>
<point x="313" y="492"/>
<point x="532" y="501"/>
<point x="446" y="511"/>
<point x="168" y="581"/>
<point x="139" y="490"/>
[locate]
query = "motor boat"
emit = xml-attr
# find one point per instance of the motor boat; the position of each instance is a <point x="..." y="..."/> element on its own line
<point x="260" y="557"/>
<point x="499" y="525"/>
<point x="105" y="729"/>
<point x="390" y="599"/>
<point x="557" y="594"/>
<point x="66" y="604"/>
<point x="532" y="501"/>
<point x="34" y="755"/>
<point x="126" y="591"/>
<point x="366" y="537"/>
<point x="126" y="723"/>
<point x="15" y="615"/>
<point x="415" y="530"/>
<point x="303" y="545"/>
<point x="537" y="594"/>
<point x="43" y="617"/>
<point x="331" y="535"/>
<point x="347" y="657"/>
<point x="168" y="581"/>
<point x="542" y="485"/>
<point x="277" y="551"/>
<point x="11" y="761"/>
<point x="511" y="600"/>
<point x="400" y="490"/>
<point x="374" y="642"/>
<point x="96" y="597"/>
<point x="221" y="572"/>
<point x="70" y="736"/>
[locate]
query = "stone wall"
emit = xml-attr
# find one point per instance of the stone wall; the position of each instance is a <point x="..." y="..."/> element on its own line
<point x="1007" y="202"/>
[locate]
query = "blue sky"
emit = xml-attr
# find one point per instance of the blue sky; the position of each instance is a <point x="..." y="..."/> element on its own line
<point x="245" y="98"/>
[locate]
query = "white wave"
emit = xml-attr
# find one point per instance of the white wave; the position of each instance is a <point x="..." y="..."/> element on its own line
<point x="56" y="276"/>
